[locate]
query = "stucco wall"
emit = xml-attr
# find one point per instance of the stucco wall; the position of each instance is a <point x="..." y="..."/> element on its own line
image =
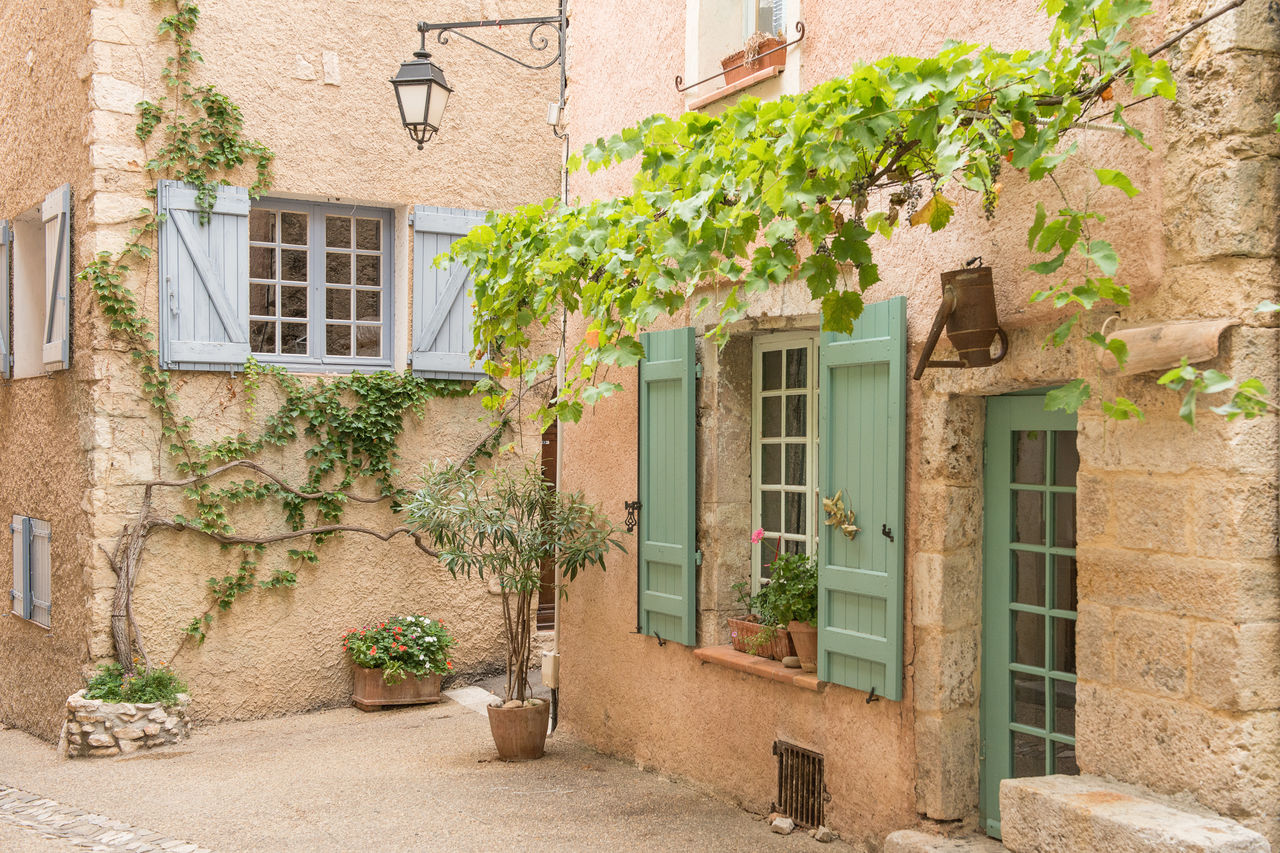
<point x="1161" y="508"/>
<point x="46" y="419"/>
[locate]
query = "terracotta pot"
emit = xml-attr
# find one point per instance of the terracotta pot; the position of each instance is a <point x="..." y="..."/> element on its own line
<point x="743" y="634"/>
<point x="520" y="734"/>
<point x="805" y="638"/>
<point x="370" y="692"/>
<point x="778" y="58"/>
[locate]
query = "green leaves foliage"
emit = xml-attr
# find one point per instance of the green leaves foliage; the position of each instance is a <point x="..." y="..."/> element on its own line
<point x="1248" y="397"/>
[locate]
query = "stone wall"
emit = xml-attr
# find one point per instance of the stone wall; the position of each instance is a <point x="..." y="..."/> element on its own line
<point x="97" y="729"/>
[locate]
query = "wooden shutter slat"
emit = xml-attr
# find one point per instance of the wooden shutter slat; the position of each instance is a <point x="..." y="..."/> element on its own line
<point x="18" y="594"/>
<point x="666" y="542"/>
<point x="56" y="349"/>
<point x="861" y="452"/>
<point x="6" y="352"/>
<point x="442" y="314"/>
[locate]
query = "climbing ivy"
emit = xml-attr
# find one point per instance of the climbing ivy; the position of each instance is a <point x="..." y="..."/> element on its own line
<point x="346" y="427"/>
<point x="809" y="187"/>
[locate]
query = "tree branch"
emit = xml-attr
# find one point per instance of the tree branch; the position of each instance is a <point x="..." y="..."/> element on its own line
<point x="254" y="466"/>
<point x="297" y="534"/>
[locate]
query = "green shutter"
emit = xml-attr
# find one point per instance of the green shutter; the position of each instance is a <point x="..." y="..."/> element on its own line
<point x="666" y="589"/>
<point x="861" y="437"/>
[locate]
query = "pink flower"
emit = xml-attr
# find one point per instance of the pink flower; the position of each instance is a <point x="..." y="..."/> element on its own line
<point x="757" y="536"/>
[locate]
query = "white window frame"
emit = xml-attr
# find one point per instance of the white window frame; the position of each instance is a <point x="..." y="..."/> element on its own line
<point x="317" y="360"/>
<point x="751" y="18"/>
<point x="760" y="345"/>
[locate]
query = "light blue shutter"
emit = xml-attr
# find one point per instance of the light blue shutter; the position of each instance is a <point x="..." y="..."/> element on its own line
<point x="6" y="242"/>
<point x="667" y="556"/>
<point x="21" y="594"/>
<point x="204" y="279"/>
<point x="442" y="331"/>
<point x="56" y="214"/>
<point x="861" y="441"/>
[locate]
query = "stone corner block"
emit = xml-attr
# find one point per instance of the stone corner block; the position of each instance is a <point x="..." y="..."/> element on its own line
<point x="914" y="841"/>
<point x="1070" y="813"/>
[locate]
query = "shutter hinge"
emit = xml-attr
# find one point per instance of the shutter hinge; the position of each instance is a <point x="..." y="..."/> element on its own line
<point x="697" y="557"/>
<point x="697" y="370"/>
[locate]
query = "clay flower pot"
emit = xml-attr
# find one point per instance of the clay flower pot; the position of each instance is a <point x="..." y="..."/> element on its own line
<point x="805" y="638"/>
<point x="520" y="734"/>
<point x="733" y="75"/>
<point x="371" y="692"/>
<point x="747" y="638"/>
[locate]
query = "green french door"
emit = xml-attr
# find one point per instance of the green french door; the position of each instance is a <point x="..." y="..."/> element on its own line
<point x="1029" y="596"/>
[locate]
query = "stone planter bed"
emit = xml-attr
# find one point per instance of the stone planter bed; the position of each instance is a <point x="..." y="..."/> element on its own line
<point x="98" y="729"/>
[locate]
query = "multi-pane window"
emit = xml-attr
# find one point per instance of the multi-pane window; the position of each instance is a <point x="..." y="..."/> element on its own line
<point x="319" y="283"/>
<point x="764" y="16"/>
<point x="783" y="462"/>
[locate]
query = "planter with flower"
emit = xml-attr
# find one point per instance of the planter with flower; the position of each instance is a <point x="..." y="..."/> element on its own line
<point x="119" y="713"/>
<point x="783" y="618"/>
<point x="398" y="662"/>
<point x="504" y="523"/>
<point x="761" y="51"/>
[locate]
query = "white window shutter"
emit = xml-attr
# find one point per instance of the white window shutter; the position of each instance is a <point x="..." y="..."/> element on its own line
<point x="442" y="330"/>
<point x="20" y="595"/>
<point x="6" y="253"/>
<point x="39" y="571"/>
<point x="204" y="279"/>
<point x="56" y="213"/>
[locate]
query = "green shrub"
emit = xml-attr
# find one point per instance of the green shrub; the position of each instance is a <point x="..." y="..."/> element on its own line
<point x="158" y="684"/>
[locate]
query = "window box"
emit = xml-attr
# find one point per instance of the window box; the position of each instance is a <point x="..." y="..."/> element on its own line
<point x="767" y="56"/>
<point x="753" y="638"/>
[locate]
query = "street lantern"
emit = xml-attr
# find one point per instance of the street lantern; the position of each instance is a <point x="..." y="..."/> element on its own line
<point x="422" y="94"/>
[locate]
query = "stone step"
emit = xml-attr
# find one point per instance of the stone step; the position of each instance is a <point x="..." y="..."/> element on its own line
<point x="914" y="841"/>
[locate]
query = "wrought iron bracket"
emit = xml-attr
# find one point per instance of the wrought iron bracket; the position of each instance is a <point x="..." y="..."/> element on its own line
<point x="633" y="514"/>
<point x="540" y="39"/>
<point x="680" y="87"/>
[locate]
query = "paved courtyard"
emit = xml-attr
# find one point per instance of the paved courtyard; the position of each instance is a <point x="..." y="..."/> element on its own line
<point x="412" y="779"/>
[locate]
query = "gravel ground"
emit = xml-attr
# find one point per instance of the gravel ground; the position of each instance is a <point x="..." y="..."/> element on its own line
<point x="422" y="778"/>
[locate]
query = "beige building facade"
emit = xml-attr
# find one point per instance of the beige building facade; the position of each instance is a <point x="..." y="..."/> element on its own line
<point x="77" y="432"/>
<point x="1144" y="555"/>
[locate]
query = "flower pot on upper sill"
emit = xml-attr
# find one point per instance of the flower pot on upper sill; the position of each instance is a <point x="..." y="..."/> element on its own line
<point x="370" y="691"/>
<point x="751" y="637"/>
<point x="733" y="75"/>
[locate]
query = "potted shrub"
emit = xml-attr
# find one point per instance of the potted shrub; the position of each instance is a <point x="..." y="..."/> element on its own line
<point x="398" y="662"/>
<point x="503" y="524"/>
<point x="118" y="713"/>
<point x="784" y="614"/>
<point x="749" y="60"/>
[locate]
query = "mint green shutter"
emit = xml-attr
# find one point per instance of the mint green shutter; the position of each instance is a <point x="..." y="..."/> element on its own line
<point x="666" y="588"/>
<point x="861" y="438"/>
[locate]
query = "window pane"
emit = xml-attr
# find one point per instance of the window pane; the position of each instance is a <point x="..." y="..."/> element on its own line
<point x="262" y="262"/>
<point x="293" y="228"/>
<point x="1064" y="707"/>
<point x="797" y="368"/>
<point x="770" y="464"/>
<point x="1064" y="583"/>
<point x="1028" y="755"/>
<point x="368" y="305"/>
<point x="1064" y="520"/>
<point x="337" y="340"/>
<point x="1028" y="700"/>
<point x="1029" y="457"/>
<point x="795" y="465"/>
<point x="337" y="232"/>
<point x="1066" y="458"/>
<point x="797" y="413"/>
<point x="795" y="513"/>
<point x="771" y="374"/>
<point x="793" y="546"/>
<point x="293" y="265"/>
<point x="1064" y="645"/>
<point x="768" y="553"/>
<point x="771" y="511"/>
<point x="1028" y="638"/>
<point x="1064" y="759"/>
<point x="368" y="270"/>
<point x="1028" y="578"/>
<point x="337" y="268"/>
<point x="262" y="336"/>
<point x="293" y="338"/>
<point x="262" y="299"/>
<point x="262" y="226"/>
<point x="771" y="417"/>
<point x="368" y="234"/>
<point x="293" y="302"/>
<point x="368" y="341"/>
<point x="1028" y="517"/>
<point x="337" y="303"/>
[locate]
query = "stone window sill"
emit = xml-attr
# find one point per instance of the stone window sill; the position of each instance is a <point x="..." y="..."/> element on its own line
<point x="773" y="670"/>
<point x="734" y="88"/>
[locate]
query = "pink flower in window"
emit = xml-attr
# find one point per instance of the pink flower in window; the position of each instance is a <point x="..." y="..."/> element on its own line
<point x="757" y="535"/>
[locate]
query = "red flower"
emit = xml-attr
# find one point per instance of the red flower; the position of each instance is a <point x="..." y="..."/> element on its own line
<point x="373" y="651"/>
<point x="404" y="648"/>
<point x="449" y="664"/>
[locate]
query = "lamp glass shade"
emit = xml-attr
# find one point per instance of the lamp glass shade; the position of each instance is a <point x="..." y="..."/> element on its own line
<point x="421" y="92"/>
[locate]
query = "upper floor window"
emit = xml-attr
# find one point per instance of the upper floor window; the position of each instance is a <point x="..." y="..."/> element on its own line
<point x="319" y="283"/>
<point x="763" y="16"/>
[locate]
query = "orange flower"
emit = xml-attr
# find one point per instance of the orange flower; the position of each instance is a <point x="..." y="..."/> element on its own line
<point x="449" y="664"/>
<point x="373" y="651"/>
<point x="592" y="337"/>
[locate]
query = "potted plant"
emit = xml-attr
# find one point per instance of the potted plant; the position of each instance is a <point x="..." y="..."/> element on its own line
<point x="118" y="713"/>
<point x="503" y="524"/>
<point x="793" y="598"/>
<point x="748" y="61"/>
<point x="398" y="662"/>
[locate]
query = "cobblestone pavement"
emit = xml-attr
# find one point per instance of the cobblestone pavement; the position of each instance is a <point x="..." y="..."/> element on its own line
<point x="51" y="820"/>
<point x="411" y="779"/>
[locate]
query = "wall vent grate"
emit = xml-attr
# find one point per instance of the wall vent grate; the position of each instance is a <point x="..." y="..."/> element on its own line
<point x="802" y="791"/>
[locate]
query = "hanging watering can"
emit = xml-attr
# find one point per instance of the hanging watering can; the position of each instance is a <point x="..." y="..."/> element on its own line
<point x="969" y="311"/>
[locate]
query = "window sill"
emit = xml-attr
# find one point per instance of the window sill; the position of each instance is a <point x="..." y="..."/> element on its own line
<point x="734" y="88"/>
<point x="773" y="670"/>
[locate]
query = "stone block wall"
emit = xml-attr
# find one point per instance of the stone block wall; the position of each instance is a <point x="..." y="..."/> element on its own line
<point x="97" y="729"/>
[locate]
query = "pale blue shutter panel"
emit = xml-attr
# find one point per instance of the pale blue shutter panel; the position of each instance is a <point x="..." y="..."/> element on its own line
<point x="861" y="441"/>
<point x="39" y="572"/>
<point x="6" y="252"/>
<point x="56" y="214"/>
<point x="667" y="556"/>
<point x="21" y="594"/>
<point x="204" y="279"/>
<point x="442" y="331"/>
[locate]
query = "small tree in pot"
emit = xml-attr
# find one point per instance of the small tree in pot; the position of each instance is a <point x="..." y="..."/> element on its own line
<point x="504" y="523"/>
